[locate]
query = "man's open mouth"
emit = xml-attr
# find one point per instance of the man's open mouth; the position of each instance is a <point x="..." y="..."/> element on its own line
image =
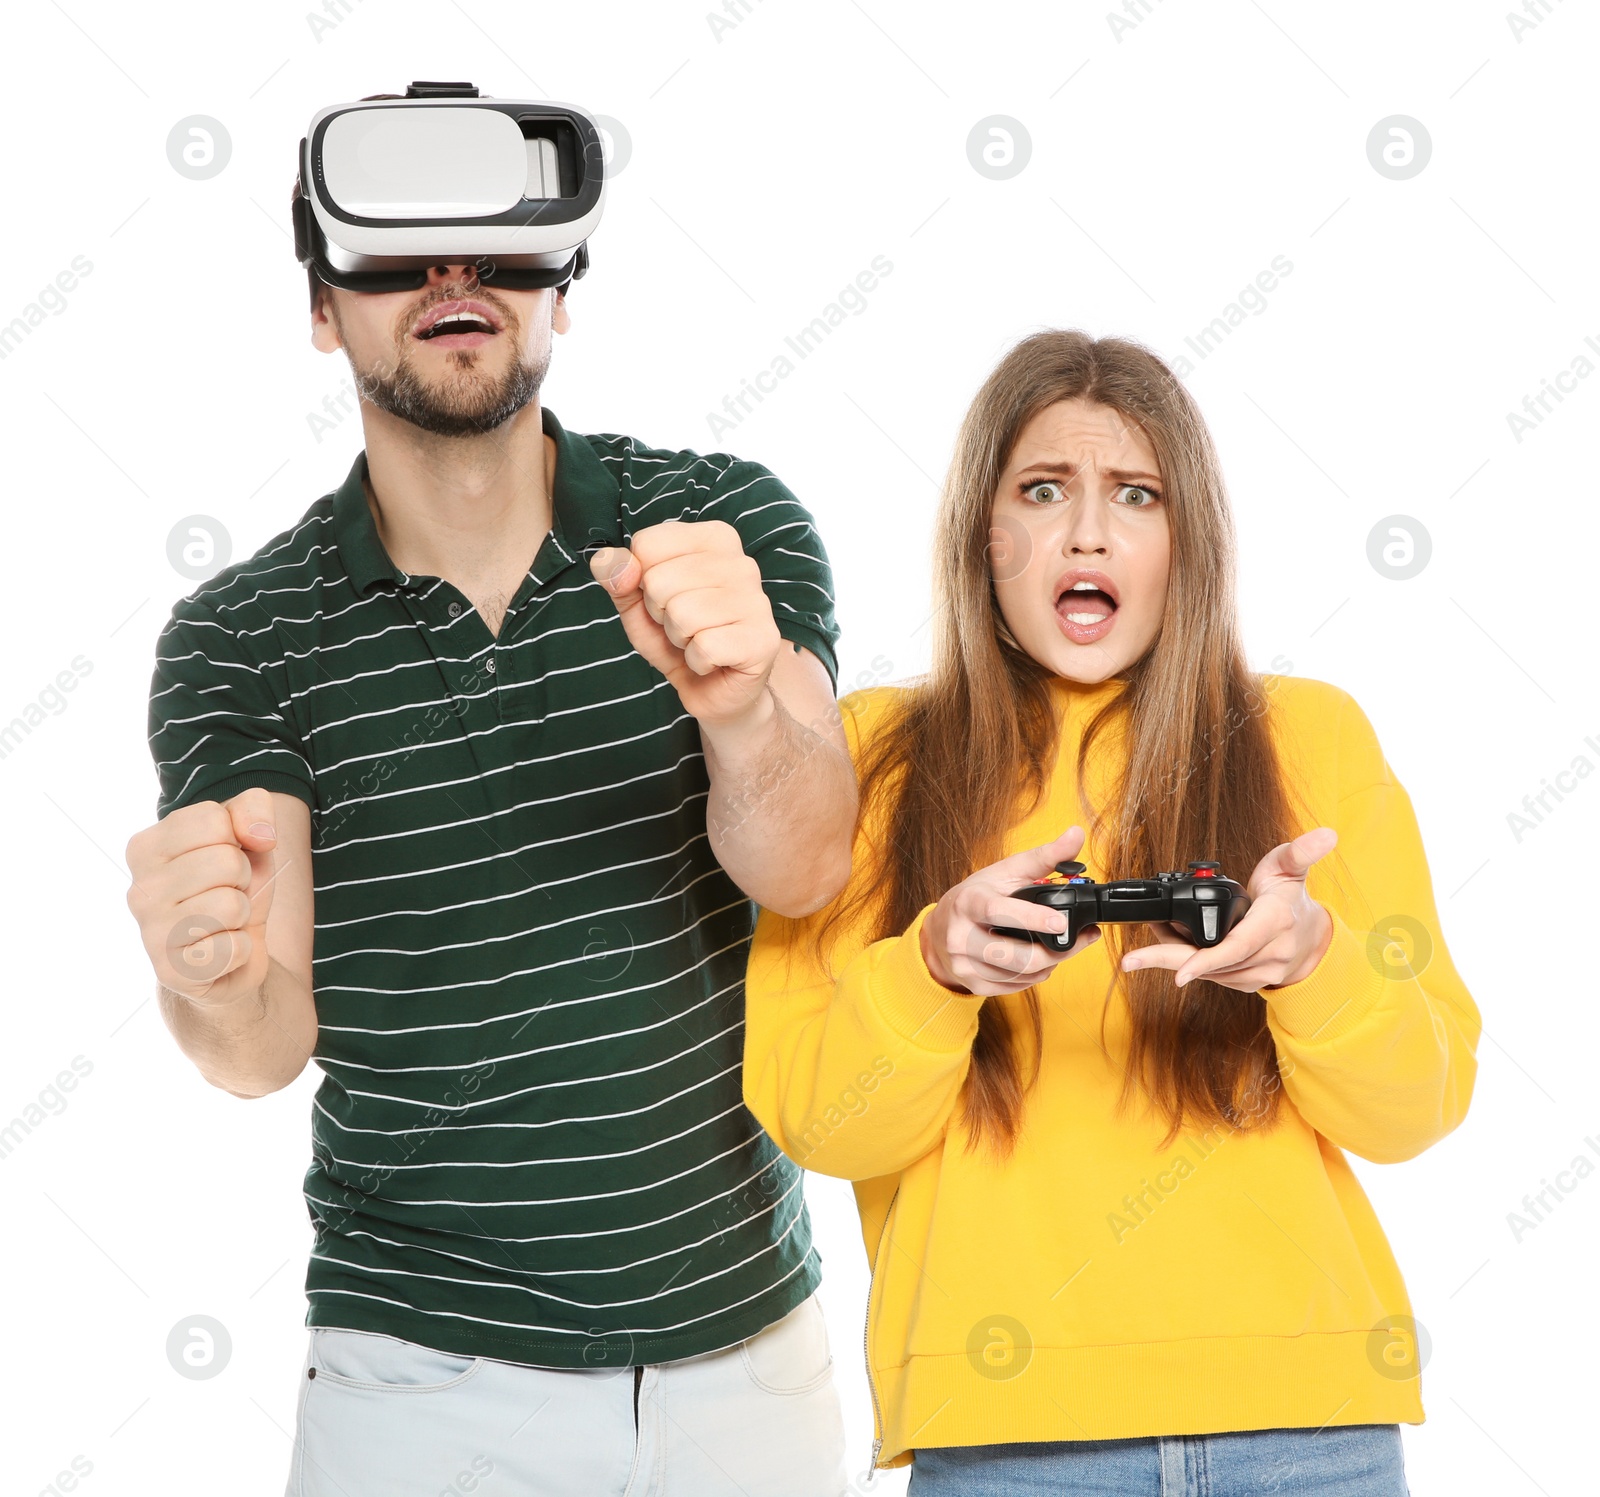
<point x="458" y="324"/>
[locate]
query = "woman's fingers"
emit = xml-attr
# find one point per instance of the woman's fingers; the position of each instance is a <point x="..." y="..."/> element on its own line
<point x="1036" y="862"/>
<point x="995" y="910"/>
<point x="1264" y="936"/>
<point x="1003" y="959"/>
<point x="1004" y="964"/>
<point x="1248" y="966"/>
<point x="1249" y="980"/>
<point x="960" y="939"/>
<point x="1254" y="970"/>
<point x="1168" y="952"/>
<point x="1292" y="860"/>
<point x="981" y="978"/>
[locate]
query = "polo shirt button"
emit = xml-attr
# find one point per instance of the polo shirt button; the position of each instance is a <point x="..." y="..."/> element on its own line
<point x="455" y="608"/>
<point x="489" y="665"/>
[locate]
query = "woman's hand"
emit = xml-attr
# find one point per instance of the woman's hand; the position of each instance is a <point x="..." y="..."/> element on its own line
<point x="959" y="945"/>
<point x="1281" y="938"/>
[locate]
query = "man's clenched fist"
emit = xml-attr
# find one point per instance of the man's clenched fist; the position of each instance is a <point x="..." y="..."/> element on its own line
<point x="692" y="604"/>
<point x="202" y="890"/>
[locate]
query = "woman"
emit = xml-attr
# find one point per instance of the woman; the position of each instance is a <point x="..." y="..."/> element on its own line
<point x="1116" y="1244"/>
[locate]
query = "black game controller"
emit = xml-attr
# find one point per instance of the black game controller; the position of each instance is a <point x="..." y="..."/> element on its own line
<point x="1202" y="901"/>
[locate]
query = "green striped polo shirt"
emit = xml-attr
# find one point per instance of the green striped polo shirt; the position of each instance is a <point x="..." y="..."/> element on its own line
<point x="530" y="1142"/>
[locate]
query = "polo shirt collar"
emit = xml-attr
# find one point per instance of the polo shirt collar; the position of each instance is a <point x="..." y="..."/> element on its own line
<point x="586" y="505"/>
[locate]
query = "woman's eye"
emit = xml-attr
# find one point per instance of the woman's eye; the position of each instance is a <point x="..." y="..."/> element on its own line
<point x="1149" y="496"/>
<point x="1052" y="491"/>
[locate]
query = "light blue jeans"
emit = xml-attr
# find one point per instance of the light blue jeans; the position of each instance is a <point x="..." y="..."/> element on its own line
<point x="1353" y="1460"/>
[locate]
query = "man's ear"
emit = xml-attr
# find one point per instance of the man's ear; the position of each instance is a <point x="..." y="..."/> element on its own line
<point x="324" y="334"/>
<point x="560" y="318"/>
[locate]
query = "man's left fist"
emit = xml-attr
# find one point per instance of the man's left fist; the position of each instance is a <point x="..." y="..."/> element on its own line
<point x="692" y="604"/>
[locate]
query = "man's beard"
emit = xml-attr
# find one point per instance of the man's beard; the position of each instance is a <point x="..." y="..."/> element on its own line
<point x="464" y="404"/>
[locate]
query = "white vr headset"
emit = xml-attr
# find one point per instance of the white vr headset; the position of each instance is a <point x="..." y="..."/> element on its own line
<point x="391" y="186"/>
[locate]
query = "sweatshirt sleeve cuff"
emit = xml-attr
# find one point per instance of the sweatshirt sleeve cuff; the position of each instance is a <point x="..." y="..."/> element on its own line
<point x="913" y="1002"/>
<point x="1341" y="991"/>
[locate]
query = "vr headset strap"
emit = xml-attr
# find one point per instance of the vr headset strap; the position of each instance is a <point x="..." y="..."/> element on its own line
<point x="425" y="90"/>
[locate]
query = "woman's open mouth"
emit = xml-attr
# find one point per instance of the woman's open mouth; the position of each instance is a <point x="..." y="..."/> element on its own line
<point x="1086" y="605"/>
<point x="458" y="324"/>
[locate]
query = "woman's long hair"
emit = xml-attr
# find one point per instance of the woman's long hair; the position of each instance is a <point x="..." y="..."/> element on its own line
<point x="965" y="754"/>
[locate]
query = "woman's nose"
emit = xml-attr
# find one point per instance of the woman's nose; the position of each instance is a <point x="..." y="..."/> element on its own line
<point x="1086" y="523"/>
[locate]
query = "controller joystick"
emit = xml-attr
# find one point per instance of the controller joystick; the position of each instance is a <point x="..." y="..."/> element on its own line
<point x="1202" y="901"/>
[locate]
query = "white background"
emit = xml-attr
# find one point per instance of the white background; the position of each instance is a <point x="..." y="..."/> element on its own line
<point x="770" y="163"/>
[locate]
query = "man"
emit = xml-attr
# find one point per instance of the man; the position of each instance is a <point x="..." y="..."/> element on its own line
<point x="468" y="780"/>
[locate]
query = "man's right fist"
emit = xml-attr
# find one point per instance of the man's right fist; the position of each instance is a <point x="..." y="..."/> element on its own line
<point x="201" y="892"/>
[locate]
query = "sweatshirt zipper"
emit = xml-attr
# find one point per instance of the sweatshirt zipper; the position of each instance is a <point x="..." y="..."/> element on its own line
<point x="866" y="1337"/>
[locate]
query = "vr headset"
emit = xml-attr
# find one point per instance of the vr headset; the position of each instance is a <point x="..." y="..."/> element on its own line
<point x="391" y="186"/>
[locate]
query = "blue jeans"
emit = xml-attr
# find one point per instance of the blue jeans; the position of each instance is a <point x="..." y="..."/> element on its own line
<point x="1352" y="1460"/>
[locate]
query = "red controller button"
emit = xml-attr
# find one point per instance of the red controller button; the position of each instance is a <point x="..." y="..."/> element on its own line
<point x="1205" y="873"/>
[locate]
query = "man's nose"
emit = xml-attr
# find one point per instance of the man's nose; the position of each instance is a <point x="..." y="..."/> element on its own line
<point x="439" y="275"/>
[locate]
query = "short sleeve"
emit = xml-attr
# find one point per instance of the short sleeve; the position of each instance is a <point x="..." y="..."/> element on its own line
<point x="777" y="530"/>
<point x="215" y="727"/>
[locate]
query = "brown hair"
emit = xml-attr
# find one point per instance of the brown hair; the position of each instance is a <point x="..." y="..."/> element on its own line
<point x="965" y="753"/>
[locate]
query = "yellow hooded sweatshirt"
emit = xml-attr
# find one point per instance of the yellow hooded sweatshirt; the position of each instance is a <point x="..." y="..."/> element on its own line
<point x="1094" y="1285"/>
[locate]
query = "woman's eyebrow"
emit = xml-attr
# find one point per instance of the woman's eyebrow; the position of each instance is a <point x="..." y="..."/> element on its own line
<point x="1123" y="475"/>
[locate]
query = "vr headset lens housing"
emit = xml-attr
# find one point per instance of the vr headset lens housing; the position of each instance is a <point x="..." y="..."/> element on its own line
<point x="391" y="187"/>
<point x="446" y="163"/>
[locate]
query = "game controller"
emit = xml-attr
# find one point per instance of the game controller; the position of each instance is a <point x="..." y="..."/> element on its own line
<point x="1204" y="903"/>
